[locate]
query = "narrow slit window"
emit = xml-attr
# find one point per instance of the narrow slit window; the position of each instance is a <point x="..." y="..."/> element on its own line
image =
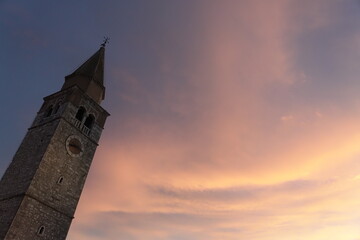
<point x="41" y="230"/>
<point x="60" y="180"/>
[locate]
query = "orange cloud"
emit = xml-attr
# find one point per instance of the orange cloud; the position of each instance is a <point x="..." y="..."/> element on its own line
<point x="229" y="152"/>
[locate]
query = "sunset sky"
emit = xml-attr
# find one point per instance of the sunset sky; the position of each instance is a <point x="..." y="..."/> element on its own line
<point x="230" y="120"/>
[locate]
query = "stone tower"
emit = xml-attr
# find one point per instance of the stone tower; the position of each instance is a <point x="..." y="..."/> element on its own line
<point x="41" y="187"/>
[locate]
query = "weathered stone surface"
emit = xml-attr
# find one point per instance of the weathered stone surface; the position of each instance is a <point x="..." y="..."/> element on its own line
<point x="40" y="189"/>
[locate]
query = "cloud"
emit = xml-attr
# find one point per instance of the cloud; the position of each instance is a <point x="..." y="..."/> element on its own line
<point x="287" y="118"/>
<point x="229" y="120"/>
<point x="236" y="194"/>
<point x="233" y="136"/>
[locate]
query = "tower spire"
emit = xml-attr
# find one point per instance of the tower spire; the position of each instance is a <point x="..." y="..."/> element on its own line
<point x="41" y="187"/>
<point x="93" y="68"/>
<point x="90" y="75"/>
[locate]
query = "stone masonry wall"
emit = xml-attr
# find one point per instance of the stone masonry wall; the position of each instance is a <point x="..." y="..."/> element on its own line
<point x="21" y="171"/>
<point x="31" y="216"/>
<point x="43" y="183"/>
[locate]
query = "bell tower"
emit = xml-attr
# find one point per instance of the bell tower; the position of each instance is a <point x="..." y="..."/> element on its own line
<point x="41" y="187"/>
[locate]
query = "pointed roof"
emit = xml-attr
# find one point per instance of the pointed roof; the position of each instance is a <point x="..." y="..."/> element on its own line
<point x="93" y="68"/>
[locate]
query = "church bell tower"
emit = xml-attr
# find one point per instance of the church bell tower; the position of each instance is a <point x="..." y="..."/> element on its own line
<point x="41" y="187"/>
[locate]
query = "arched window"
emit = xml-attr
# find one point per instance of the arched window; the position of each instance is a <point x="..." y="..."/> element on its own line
<point x="49" y="111"/>
<point x="80" y="114"/>
<point x="56" y="109"/>
<point x="41" y="230"/>
<point x="89" y="122"/>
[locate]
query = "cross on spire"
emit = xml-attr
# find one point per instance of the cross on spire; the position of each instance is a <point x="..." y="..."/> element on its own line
<point x="106" y="40"/>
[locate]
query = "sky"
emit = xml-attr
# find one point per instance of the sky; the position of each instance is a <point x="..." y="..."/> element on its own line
<point x="229" y="119"/>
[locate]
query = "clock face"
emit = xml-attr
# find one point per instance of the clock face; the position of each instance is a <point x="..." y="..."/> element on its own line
<point x="74" y="146"/>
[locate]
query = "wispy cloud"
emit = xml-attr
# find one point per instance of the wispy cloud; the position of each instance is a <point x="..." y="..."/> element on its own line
<point x="230" y="120"/>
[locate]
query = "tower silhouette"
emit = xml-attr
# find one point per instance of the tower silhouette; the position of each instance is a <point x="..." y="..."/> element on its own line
<point x="41" y="188"/>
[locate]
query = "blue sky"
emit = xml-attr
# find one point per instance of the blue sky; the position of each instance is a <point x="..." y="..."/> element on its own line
<point x="229" y="119"/>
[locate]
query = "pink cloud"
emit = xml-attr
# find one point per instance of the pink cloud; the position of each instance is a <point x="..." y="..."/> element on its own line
<point x="215" y="157"/>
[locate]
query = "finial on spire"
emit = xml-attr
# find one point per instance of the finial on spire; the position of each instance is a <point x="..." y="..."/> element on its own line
<point x="106" y="40"/>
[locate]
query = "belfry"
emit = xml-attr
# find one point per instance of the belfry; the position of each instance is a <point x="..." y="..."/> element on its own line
<point x="41" y="187"/>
